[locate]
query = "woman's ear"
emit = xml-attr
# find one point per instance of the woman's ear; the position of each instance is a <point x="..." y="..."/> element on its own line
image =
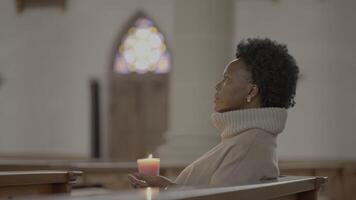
<point x="253" y="92"/>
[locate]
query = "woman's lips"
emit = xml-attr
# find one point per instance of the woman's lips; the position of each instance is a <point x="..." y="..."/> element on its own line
<point x="216" y="97"/>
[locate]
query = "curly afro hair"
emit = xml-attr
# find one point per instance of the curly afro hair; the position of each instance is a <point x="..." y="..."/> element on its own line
<point x="273" y="70"/>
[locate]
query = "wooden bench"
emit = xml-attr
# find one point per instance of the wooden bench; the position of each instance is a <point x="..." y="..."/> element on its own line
<point x="30" y="183"/>
<point x="113" y="175"/>
<point x="286" y="188"/>
<point x="341" y="176"/>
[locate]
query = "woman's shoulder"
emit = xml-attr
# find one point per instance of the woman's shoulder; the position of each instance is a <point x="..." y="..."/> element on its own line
<point x="248" y="137"/>
<point x="251" y="142"/>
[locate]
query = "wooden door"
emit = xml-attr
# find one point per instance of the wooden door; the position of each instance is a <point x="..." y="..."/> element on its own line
<point x="139" y="110"/>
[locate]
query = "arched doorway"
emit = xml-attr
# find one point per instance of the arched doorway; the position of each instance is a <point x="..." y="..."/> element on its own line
<point x="139" y="80"/>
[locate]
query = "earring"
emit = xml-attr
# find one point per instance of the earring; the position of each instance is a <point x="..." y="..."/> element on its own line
<point x="248" y="99"/>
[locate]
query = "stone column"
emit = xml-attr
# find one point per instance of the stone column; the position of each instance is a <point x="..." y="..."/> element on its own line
<point x="203" y="43"/>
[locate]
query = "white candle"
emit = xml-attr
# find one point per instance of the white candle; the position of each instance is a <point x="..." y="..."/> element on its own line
<point x="149" y="166"/>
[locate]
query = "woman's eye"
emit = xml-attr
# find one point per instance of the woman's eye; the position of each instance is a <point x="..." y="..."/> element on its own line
<point x="226" y="80"/>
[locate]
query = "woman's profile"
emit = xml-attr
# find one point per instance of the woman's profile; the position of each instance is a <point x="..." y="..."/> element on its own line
<point x="251" y="103"/>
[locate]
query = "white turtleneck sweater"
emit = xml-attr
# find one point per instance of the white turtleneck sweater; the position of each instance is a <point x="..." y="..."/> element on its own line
<point x="246" y="153"/>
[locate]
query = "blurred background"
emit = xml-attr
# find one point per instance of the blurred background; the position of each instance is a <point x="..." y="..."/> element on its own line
<point x="73" y="88"/>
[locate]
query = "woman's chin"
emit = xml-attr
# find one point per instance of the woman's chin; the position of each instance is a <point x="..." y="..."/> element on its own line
<point x="217" y="108"/>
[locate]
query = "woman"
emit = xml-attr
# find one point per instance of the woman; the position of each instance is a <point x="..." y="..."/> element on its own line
<point x="250" y="104"/>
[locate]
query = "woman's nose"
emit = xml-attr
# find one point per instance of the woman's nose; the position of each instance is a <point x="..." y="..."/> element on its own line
<point x="217" y="86"/>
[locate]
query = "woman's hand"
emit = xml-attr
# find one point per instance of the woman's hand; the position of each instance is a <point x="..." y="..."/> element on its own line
<point x="141" y="181"/>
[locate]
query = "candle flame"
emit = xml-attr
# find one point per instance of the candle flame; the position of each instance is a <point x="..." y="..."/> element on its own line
<point x="150" y="156"/>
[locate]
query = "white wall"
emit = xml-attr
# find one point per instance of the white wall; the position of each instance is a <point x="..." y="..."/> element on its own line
<point x="47" y="57"/>
<point x="321" y="36"/>
<point x="203" y="33"/>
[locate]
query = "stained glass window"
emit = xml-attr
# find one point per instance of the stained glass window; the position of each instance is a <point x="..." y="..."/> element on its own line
<point x="143" y="49"/>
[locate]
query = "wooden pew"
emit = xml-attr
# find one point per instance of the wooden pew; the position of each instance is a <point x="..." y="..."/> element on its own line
<point x="286" y="188"/>
<point x="113" y="175"/>
<point x="30" y="183"/>
<point x="341" y="176"/>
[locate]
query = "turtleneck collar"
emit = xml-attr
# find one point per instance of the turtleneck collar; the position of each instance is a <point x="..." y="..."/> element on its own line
<point x="232" y="123"/>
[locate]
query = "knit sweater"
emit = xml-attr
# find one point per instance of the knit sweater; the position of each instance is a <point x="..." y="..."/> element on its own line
<point x="246" y="153"/>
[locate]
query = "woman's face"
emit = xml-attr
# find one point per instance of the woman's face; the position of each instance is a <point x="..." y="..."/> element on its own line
<point x="232" y="90"/>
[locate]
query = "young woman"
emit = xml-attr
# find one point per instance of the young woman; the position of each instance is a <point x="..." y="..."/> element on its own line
<point x="251" y="105"/>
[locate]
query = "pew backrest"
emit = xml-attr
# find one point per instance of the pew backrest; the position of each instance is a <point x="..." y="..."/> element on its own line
<point x="25" y="183"/>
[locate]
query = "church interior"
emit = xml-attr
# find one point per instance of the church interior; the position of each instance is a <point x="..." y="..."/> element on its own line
<point x="88" y="87"/>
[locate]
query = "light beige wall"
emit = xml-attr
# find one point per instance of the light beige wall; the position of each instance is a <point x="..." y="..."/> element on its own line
<point x="321" y="36"/>
<point x="47" y="57"/>
<point x="203" y="35"/>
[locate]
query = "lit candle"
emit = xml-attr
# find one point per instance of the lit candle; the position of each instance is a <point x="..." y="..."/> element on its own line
<point x="148" y="166"/>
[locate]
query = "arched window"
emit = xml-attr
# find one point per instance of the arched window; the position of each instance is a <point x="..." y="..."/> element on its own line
<point x="139" y="83"/>
<point x="142" y="49"/>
